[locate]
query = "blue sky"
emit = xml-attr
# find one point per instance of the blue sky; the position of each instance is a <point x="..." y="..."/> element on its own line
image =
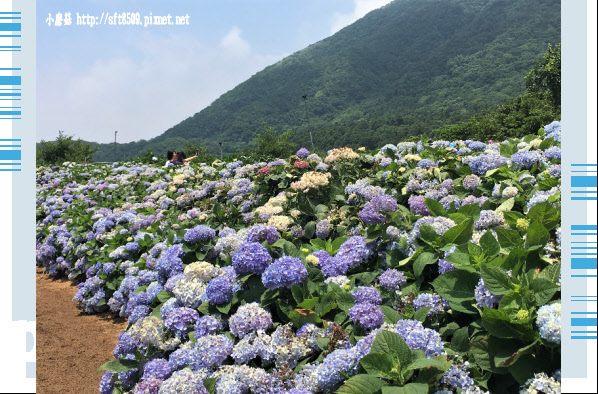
<point x="142" y="80"/>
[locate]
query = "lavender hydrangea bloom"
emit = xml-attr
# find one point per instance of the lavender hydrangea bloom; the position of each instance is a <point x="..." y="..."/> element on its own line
<point x="259" y="233"/>
<point x="248" y="318"/>
<point x="213" y="350"/>
<point x="392" y="232"/>
<point x="484" y="298"/>
<point x="207" y="325"/>
<point x="158" y="368"/>
<point x="323" y="229"/>
<point x="302" y="153"/>
<point x="426" y="163"/>
<point x="554" y="153"/>
<point x="284" y="272"/>
<point x="549" y="322"/>
<point x="366" y="294"/>
<point x="418" y="337"/>
<point x="437" y="303"/>
<point x="489" y="219"/>
<point x="526" y="159"/>
<point x="418" y="205"/>
<point x="199" y="233"/>
<point x="184" y="381"/>
<point x="219" y="290"/>
<point x="471" y="182"/>
<point x="329" y="265"/>
<point x="457" y="376"/>
<point x="553" y="130"/>
<point x="179" y="320"/>
<point x="391" y="279"/>
<point x="354" y="251"/>
<point x="555" y="171"/>
<point x="251" y="257"/>
<point x="369" y="316"/>
<point x="484" y="163"/>
<point x="147" y="386"/>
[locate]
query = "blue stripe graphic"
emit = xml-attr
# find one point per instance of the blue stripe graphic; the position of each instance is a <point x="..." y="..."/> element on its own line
<point x="10" y="154"/>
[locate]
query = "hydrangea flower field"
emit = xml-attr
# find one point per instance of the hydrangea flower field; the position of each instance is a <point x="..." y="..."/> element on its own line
<point x="419" y="268"/>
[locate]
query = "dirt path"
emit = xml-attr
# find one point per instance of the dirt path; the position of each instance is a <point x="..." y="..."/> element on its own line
<point x="70" y="345"/>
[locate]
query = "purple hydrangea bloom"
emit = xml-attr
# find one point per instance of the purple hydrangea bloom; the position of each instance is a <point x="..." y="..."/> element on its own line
<point x="484" y="298"/>
<point x="555" y="171"/>
<point x="260" y="232"/>
<point x="207" y="325"/>
<point x="391" y="279"/>
<point x="251" y="257"/>
<point x="418" y="205"/>
<point x="489" y="219"/>
<point x="219" y="290"/>
<point x="158" y="368"/>
<point x="554" y="152"/>
<point x="457" y="377"/>
<point x="323" y="229"/>
<point x="354" y="251"/>
<point x="426" y="163"/>
<point x="392" y="232"/>
<point x="213" y="350"/>
<point x="484" y="163"/>
<point x="284" y="272"/>
<point x="199" y="233"/>
<point x="526" y="159"/>
<point x="369" y="316"/>
<point x="248" y="318"/>
<point x="471" y="182"/>
<point x="366" y="294"/>
<point x="437" y="303"/>
<point x="179" y="320"/>
<point x="330" y="266"/>
<point x="418" y="337"/>
<point x="148" y="386"/>
<point x="302" y="153"/>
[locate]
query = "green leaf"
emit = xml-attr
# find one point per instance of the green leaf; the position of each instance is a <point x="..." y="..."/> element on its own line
<point x="435" y="208"/>
<point x="543" y="290"/>
<point x="344" y="301"/>
<point x="164" y="296"/>
<point x="410" y="388"/>
<point x="511" y="218"/>
<point x="120" y="365"/>
<point x="310" y="229"/>
<point x="390" y="315"/>
<point x="361" y="384"/>
<point x="489" y="244"/>
<point x="537" y="235"/>
<point x="422" y="313"/>
<point x="508" y="238"/>
<point x="210" y="385"/>
<point x="366" y="277"/>
<point x="506" y="206"/>
<point x="308" y="303"/>
<point x="387" y="342"/>
<point x="458" y="288"/>
<point x="424" y="259"/>
<point x="496" y="280"/>
<point x="460" y="340"/>
<point x="459" y="234"/>
<point x="378" y="365"/>
<point x="470" y="210"/>
<point x="551" y="273"/>
<point x="297" y="293"/>
<point x="498" y="323"/>
<point x="546" y="214"/>
<point x="428" y="234"/>
<point x="424" y="363"/>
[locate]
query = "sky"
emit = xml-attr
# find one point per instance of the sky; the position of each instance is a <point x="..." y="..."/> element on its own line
<point x="140" y="81"/>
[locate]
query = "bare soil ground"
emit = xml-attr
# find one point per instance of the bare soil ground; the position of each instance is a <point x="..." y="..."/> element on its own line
<point x="70" y="345"/>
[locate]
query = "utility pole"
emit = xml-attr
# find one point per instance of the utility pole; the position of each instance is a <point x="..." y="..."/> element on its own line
<point x="115" y="145"/>
<point x="308" y="127"/>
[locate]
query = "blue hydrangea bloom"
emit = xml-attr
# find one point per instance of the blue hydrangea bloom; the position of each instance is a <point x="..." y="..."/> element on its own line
<point x="366" y="294"/>
<point x="199" y="233"/>
<point x="284" y="272"/>
<point x="207" y="325"/>
<point x="549" y="322"/>
<point x="179" y="320"/>
<point x="391" y="279"/>
<point x="369" y="316"/>
<point x="219" y="290"/>
<point x="251" y="257"/>
<point x="248" y="318"/>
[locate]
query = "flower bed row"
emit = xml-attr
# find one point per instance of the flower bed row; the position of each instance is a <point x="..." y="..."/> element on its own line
<point x="426" y="267"/>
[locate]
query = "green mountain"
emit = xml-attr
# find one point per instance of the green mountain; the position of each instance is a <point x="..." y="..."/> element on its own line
<point x="410" y="67"/>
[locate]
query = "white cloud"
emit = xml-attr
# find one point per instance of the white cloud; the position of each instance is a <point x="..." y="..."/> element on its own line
<point x="166" y="80"/>
<point x="361" y="7"/>
<point x="234" y="43"/>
